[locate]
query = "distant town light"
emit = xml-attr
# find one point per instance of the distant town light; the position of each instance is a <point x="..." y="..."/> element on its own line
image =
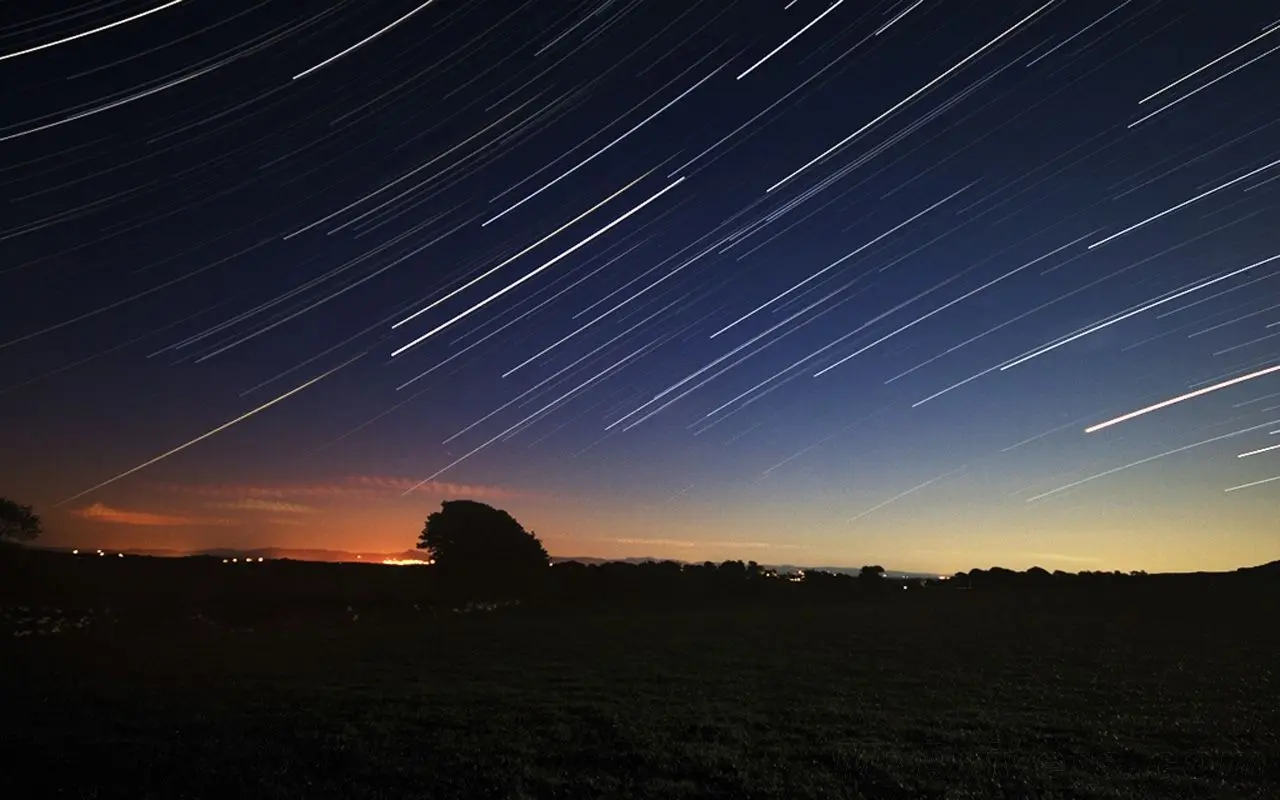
<point x="75" y="552"/>
<point x="120" y="555"/>
<point x="259" y="559"/>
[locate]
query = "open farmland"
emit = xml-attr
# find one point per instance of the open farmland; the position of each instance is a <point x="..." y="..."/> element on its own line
<point x="1155" y="690"/>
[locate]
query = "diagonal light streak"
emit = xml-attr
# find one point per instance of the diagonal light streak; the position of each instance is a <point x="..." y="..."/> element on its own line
<point x="529" y="276"/>
<point x="207" y="434"/>
<point x="1181" y="398"/>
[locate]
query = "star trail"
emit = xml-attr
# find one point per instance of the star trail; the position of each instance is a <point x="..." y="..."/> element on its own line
<point x="935" y="284"/>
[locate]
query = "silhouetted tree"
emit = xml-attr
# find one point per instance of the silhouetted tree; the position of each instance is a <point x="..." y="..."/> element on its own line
<point x="17" y="523"/>
<point x="733" y="570"/>
<point x="873" y="572"/>
<point x="482" y="552"/>
<point x="1001" y="576"/>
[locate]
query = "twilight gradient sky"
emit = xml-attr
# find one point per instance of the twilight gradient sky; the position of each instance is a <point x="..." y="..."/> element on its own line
<point x="803" y="282"/>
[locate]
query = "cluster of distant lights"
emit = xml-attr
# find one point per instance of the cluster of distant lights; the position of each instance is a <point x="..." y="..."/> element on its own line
<point x="403" y="562"/>
<point x="98" y="552"/>
<point x="394" y="562"/>
<point x="796" y="577"/>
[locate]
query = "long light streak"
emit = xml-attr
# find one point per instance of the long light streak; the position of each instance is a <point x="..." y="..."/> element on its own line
<point x="1148" y="460"/>
<point x="913" y="95"/>
<point x="1200" y="69"/>
<point x="795" y="36"/>
<point x="947" y="305"/>
<point x="1259" y="450"/>
<point x="90" y="32"/>
<point x="563" y="370"/>
<point x="1184" y="204"/>
<point x="1201" y="88"/>
<point x="1252" y="484"/>
<point x="839" y="261"/>
<point x="599" y="152"/>
<point x="507" y="261"/>
<point x="362" y="42"/>
<point x="530" y="275"/>
<point x="598" y="376"/>
<point x="1181" y="398"/>
<point x="1144" y="307"/>
<point x="212" y="432"/>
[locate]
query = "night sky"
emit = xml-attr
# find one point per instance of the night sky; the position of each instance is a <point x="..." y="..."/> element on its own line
<point x="799" y="282"/>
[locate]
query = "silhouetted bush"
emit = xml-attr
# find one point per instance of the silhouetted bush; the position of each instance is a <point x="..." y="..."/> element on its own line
<point x="481" y="552"/>
<point x="17" y="522"/>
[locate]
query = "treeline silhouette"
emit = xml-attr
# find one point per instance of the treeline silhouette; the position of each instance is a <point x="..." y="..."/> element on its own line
<point x="163" y="590"/>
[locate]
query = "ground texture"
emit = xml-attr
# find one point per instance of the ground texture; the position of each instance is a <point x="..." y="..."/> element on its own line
<point x="939" y="694"/>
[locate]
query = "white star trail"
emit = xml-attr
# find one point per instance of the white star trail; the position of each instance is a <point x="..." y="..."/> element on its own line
<point x="791" y="39"/>
<point x="209" y="433"/>
<point x="1259" y="451"/>
<point x="1182" y="398"/>
<point x="894" y="108"/>
<point x="907" y="493"/>
<point x="1134" y="312"/>
<point x="1184" y="204"/>
<point x="523" y="252"/>
<point x="1148" y="460"/>
<point x="529" y="276"/>
<point x="1202" y="68"/>
<point x="90" y="32"/>
<point x="361" y="43"/>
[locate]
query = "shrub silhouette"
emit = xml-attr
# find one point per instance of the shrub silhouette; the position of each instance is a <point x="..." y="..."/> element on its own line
<point x="17" y="522"/>
<point x="481" y="552"/>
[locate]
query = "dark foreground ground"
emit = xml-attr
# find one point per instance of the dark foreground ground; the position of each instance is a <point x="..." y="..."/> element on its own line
<point x="933" y="694"/>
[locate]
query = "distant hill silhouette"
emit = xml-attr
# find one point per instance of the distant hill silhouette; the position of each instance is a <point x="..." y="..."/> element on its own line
<point x="1269" y="569"/>
<point x="779" y="568"/>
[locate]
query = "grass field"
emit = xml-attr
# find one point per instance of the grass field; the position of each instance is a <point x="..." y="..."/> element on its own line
<point x="937" y="694"/>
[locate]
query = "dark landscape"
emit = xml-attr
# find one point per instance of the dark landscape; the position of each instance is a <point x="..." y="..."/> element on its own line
<point x="192" y="678"/>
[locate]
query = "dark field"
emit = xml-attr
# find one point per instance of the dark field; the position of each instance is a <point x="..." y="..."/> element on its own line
<point x="1152" y="691"/>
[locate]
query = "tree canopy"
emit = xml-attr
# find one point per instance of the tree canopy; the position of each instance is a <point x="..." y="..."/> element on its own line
<point x="17" y="522"/>
<point x="483" y="552"/>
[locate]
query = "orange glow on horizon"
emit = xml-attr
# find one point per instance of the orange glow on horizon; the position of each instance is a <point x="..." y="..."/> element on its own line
<point x="942" y="536"/>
